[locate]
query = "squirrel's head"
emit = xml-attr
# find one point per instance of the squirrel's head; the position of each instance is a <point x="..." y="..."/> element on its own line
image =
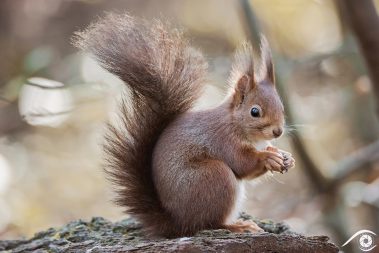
<point x="255" y="104"/>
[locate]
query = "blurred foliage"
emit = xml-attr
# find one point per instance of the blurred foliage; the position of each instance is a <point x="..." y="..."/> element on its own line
<point x="50" y="171"/>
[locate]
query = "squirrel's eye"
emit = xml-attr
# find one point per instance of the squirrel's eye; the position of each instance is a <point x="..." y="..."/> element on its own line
<point x="256" y="111"/>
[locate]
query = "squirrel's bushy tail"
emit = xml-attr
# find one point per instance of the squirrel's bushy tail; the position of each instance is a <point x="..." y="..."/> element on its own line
<point x="165" y="77"/>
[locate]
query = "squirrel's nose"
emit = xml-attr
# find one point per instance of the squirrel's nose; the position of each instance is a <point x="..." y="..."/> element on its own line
<point x="277" y="132"/>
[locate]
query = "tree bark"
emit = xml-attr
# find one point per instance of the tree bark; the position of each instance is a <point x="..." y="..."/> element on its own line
<point x="100" y="235"/>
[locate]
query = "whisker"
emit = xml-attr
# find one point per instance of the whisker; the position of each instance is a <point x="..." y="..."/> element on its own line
<point x="299" y="125"/>
<point x="295" y="127"/>
<point x="291" y="134"/>
<point x="278" y="181"/>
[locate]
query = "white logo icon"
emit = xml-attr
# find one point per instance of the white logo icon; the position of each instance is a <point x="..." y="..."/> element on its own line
<point x="366" y="240"/>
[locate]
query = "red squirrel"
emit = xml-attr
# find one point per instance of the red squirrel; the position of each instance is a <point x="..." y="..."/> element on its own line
<point x="179" y="171"/>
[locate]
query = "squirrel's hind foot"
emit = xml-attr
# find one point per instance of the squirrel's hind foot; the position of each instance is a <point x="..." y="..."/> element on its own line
<point x="242" y="226"/>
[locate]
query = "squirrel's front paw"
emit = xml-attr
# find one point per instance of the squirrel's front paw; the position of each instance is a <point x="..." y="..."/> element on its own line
<point x="288" y="160"/>
<point x="273" y="161"/>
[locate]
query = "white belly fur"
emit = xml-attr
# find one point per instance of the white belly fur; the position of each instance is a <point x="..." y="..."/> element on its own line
<point x="240" y="193"/>
<point x="261" y="145"/>
<point x="238" y="203"/>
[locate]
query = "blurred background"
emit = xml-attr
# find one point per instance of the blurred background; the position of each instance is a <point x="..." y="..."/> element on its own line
<point x="54" y="103"/>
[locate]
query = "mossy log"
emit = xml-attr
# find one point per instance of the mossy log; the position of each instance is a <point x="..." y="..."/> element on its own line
<point x="100" y="235"/>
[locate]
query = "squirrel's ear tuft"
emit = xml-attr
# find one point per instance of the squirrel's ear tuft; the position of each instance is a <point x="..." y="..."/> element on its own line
<point x="267" y="66"/>
<point x="242" y="77"/>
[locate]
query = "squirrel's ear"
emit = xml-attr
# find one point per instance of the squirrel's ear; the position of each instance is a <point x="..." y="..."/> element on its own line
<point x="267" y="66"/>
<point x="243" y="86"/>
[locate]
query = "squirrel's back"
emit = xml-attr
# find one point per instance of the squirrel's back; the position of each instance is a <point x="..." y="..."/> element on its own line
<point x="165" y="76"/>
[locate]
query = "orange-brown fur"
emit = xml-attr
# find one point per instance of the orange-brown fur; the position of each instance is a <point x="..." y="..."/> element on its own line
<point x="176" y="170"/>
